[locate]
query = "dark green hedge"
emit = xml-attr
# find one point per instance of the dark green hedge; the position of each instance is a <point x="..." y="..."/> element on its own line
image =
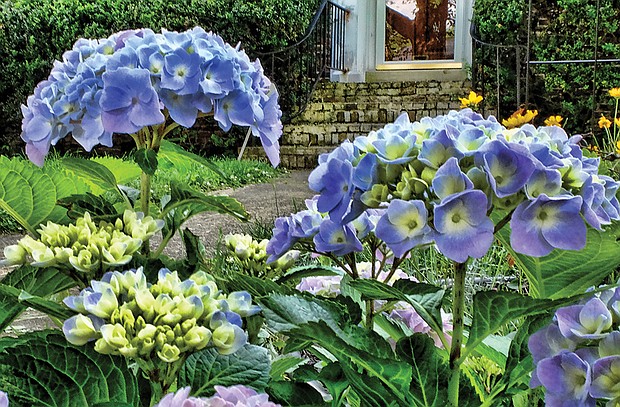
<point x="33" y="33"/>
<point x="561" y="30"/>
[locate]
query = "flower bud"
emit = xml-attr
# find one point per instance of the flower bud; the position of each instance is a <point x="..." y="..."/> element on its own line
<point x="84" y="261"/>
<point x="241" y="303"/>
<point x="228" y="338"/>
<point x="115" y="335"/>
<point x="62" y="254"/>
<point x="198" y="337"/>
<point x="145" y="300"/>
<point x="101" y="304"/>
<point x="43" y="258"/>
<point x="191" y="307"/>
<point x="105" y="348"/>
<point x="14" y="254"/>
<point x="80" y="329"/>
<point x="169" y="353"/>
<point x="115" y="254"/>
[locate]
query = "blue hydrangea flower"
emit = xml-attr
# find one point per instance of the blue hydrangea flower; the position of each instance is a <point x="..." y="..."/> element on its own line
<point x="449" y="179"/>
<point x="336" y="239"/>
<point x="546" y="223"/>
<point x="508" y="166"/>
<point x="129" y="102"/>
<point x="404" y="226"/>
<point x="606" y="379"/>
<point x="333" y="180"/>
<point x="567" y="379"/>
<point x="591" y="320"/>
<point x="549" y="342"/>
<point x="463" y="227"/>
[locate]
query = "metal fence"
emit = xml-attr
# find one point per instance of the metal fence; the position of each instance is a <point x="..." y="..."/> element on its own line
<point x="297" y="69"/>
<point x="516" y="60"/>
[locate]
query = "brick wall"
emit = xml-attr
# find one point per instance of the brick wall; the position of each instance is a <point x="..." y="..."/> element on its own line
<point x="340" y="111"/>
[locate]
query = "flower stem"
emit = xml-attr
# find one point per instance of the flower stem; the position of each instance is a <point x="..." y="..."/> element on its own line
<point x="458" y="313"/>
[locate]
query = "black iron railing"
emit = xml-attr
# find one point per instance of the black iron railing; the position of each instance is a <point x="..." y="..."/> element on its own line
<point x="296" y="70"/>
<point x="492" y="59"/>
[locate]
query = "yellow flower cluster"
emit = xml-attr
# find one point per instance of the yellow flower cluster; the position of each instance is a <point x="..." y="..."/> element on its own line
<point x="473" y="100"/>
<point x="519" y="118"/>
<point x="554" y="121"/>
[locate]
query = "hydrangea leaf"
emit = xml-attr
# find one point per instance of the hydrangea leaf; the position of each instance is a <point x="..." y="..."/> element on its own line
<point x="493" y="309"/>
<point x="203" y="370"/>
<point x="283" y="364"/>
<point x="96" y="175"/>
<point x="424" y="298"/>
<point x="175" y="156"/>
<point x="294" y="394"/>
<point x="44" y="369"/>
<point x="327" y="324"/>
<point x="563" y="273"/>
<point x="430" y="373"/>
<point x="37" y="281"/>
<point x="22" y="184"/>
<point x="124" y="171"/>
<point x="386" y="380"/>
<point x="146" y="158"/>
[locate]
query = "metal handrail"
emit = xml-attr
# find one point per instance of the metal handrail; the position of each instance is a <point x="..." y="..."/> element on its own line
<point x="297" y="69"/>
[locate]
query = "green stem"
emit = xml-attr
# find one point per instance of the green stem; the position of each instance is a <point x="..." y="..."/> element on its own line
<point x="458" y="313"/>
<point x="145" y="192"/>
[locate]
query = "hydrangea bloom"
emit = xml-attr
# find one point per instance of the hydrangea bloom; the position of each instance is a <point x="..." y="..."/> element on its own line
<point x="163" y="321"/>
<point x="140" y="78"/>
<point x="4" y="399"/>
<point x="445" y="175"/>
<point x="577" y="356"/>
<point x="233" y="396"/>
<point x="84" y="246"/>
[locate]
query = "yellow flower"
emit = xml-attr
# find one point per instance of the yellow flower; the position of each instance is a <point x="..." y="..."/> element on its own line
<point x="554" y="121"/>
<point x="593" y="148"/>
<point x="617" y="121"/>
<point x="618" y="147"/>
<point x="473" y="100"/>
<point x="604" y="123"/>
<point x="614" y="93"/>
<point x="520" y="117"/>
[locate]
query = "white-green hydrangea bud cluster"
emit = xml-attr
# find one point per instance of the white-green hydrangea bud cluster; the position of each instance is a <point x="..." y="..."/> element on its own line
<point x="251" y="255"/>
<point x="85" y="246"/>
<point x="125" y="315"/>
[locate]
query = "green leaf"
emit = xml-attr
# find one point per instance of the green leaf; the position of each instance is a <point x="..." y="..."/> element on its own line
<point x="97" y="206"/>
<point x="34" y="280"/>
<point x="313" y="270"/>
<point x="386" y="379"/>
<point x="43" y="369"/>
<point x="283" y="364"/>
<point x="146" y="159"/>
<point x="29" y="194"/>
<point x="51" y="308"/>
<point x="184" y="199"/>
<point x="327" y="324"/>
<point x="493" y="309"/>
<point x="203" y="370"/>
<point x="564" y="273"/>
<point x="426" y="299"/>
<point x="124" y="171"/>
<point x="294" y="394"/>
<point x="334" y="380"/>
<point x="430" y="372"/>
<point x="286" y="312"/>
<point x="178" y="156"/>
<point x="97" y="176"/>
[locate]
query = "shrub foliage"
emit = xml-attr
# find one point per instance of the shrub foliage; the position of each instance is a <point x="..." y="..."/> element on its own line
<point x="560" y="30"/>
<point x="33" y="33"/>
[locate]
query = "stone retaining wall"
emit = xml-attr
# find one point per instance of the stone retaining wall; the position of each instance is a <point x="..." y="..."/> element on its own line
<point x="340" y="111"/>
